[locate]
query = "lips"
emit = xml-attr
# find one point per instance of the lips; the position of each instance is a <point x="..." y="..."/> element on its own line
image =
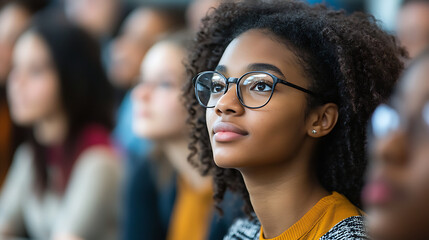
<point x="143" y="114"/>
<point x="227" y="132"/>
<point x="139" y="111"/>
<point x="377" y="193"/>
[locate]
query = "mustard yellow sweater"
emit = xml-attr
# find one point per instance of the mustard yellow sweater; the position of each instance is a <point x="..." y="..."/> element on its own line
<point x="333" y="217"/>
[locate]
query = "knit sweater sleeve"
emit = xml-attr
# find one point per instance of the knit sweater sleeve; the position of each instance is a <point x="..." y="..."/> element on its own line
<point x="244" y="229"/>
<point x="350" y="228"/>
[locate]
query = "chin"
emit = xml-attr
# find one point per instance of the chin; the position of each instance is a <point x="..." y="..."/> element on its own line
<point x="228" y="162"/>
<point x="387" y="235"/>
<point x="222" y="164"/>
<point x="24" y="121"/>
<point x="383" y="227"/>
<point x="147" y="133"/>
<point x="139" y="130"/>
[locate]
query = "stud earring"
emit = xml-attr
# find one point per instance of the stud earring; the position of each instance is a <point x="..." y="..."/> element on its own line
<point x="314" y="131"/>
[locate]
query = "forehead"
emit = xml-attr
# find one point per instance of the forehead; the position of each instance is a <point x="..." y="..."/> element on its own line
<point x="417" y="10"/>
<point x="256" y="46"/>
<point x="163" y="58"/>
<point x="29" y="44"/>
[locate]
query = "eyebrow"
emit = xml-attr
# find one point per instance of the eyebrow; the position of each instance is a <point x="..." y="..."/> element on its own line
<point x="265" y="67"/>
<point x="221" y="69"/>
<point x="255" y="67"/>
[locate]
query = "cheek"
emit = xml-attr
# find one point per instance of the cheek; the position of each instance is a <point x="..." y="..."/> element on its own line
<point x="44" y="94"/>
<point x="167" y="117"/>
<point x="175" y="117"/>
<point x="280" y="135"/>
<point x="276" y="133"/>
<point x="169" y="107"/>
<point x="413" y="205"/>
<point x="210" y="117"/>
<point x="35" y="99"/>
<point x="418" y="179"/>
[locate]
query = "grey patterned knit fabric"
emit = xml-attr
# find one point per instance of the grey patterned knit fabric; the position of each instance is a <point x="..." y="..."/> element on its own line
<point x="352" y="228"/>
<point x="349" y="228"/>
<point x="244" y="229"/>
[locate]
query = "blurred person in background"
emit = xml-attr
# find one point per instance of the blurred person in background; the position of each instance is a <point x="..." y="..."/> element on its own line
<point x="197" y="10"/>
<point x="141" y="29"/>
<point x="98" y="17"/>
<point x="14" y="18"/>
<point x="413" y="26"/>
<point x="65" y="180"/>
<point x="397" y="192"/>
<point x="167" y="198"/>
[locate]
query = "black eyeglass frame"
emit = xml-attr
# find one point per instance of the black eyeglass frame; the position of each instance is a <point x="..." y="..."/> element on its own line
<point x="237" y="82"/>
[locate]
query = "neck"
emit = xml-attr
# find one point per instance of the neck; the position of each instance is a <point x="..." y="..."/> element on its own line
<point x="282" y="194"/>
<point x="177" y="153"/>
<point x="52" y="130"/>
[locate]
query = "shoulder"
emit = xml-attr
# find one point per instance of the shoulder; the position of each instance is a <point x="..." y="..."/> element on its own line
<point x="98" y="154"/>
<point x="338" y="208"/>
<point x="244" y="229"/>
<point x="23" y="159"/>
<point x="23" y="151"/>
<point x="97" y="161"/>
<point x="349" y="228"/>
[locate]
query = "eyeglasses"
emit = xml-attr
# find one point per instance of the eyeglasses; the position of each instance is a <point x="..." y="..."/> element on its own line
<point x="386" y="120"/>
<point x="254" y="89"/>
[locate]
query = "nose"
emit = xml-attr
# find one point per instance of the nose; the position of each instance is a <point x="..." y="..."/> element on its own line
<point x="142" y="92"/>
<point x="392" y="149"/>
<point x="229" y="103"/>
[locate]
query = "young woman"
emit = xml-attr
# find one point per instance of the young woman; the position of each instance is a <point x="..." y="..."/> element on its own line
<point x="64" y="182"/>
<point x="283" y="94"/>
<point x="167" y="198"/>
<point x="397" y="193"/>
<point x="14" y="18"/>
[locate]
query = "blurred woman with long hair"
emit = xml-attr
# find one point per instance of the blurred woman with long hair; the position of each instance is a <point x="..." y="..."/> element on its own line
<point x="65" y="179"/>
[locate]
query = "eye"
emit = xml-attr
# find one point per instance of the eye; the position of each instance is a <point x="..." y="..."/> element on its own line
<point x="384" y="121"/>
<point x="37" y="70"/>
<point x="165" y="84"/>
<point x="217" y="87"/>
<point x="261" y="86"/>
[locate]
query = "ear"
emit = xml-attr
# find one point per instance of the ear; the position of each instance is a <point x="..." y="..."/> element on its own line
<point x="322" y="120"/>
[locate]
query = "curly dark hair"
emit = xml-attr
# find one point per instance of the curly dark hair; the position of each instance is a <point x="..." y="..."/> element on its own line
<point x="349" y="60"/>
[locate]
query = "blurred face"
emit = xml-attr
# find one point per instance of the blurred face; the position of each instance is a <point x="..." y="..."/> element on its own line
<point x="243" y="137"/>
<point x="413" y="27"/>
<point x="198" y="10"/>
<point x="140" y="31"/>
<point x="96" y="16"/>
<point x="397" y="193"/>
<point x="158" y="112"/>
<point x="33" y="86"/>
<point x="13" y="20"/>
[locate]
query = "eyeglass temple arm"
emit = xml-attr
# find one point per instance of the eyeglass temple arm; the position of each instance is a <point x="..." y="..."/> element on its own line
<point x="297" y="87"/>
